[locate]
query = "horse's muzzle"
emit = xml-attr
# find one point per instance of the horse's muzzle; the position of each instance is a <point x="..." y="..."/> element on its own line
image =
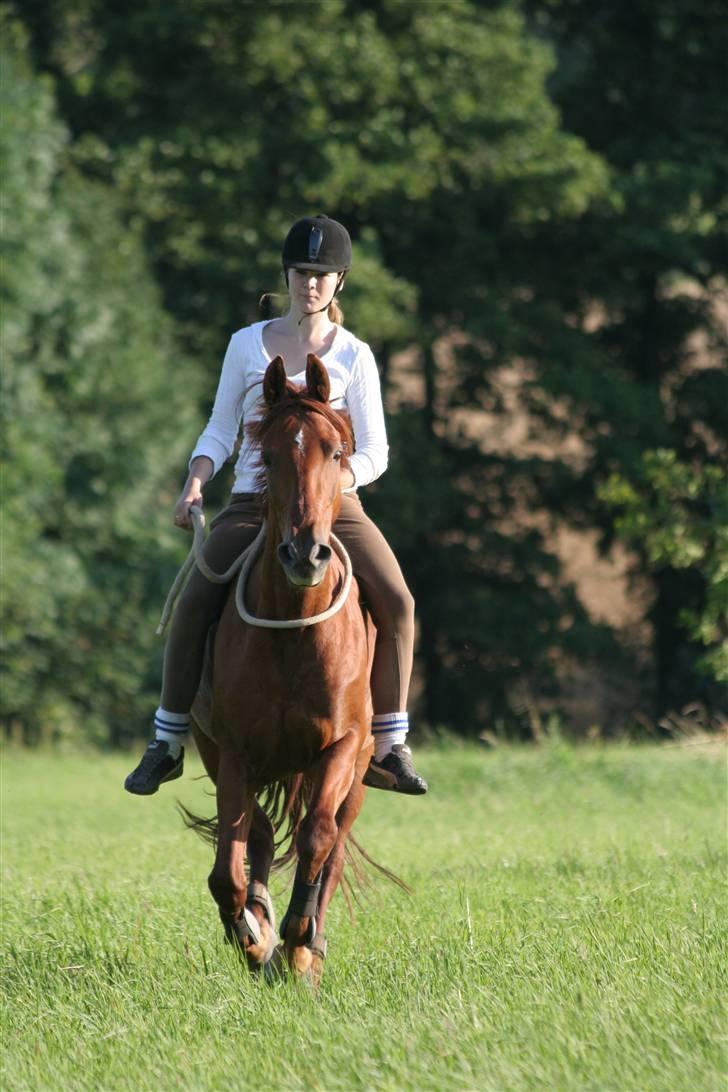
<point x="304" y="565"/>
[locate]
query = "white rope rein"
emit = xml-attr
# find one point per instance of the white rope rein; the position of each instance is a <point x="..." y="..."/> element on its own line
<point x="244" y="563"/>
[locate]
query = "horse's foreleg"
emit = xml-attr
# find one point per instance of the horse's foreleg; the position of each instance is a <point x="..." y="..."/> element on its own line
<point x="227" y="881"/>
<point x="332" y="779"/>
<point x="260" y="853"/>
<point x="260" y="845"/>
<point x="260" y="856"/>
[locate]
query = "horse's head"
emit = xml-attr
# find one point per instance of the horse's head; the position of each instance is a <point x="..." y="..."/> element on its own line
<point x="303" y="445"/>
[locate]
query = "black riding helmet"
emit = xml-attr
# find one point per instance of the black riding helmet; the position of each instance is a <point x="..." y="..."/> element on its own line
<point x="317" y="242"/>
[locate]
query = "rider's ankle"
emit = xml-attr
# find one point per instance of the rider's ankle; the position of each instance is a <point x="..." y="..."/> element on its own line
<point x="388" y="729"/>
<point x="171" y="728"/>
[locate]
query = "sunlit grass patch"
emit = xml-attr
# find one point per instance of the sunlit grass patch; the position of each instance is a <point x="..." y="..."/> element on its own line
<point x="565" y="932"/>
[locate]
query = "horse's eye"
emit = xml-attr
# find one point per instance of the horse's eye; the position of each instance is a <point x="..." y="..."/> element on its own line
<point x="337" y="455"/>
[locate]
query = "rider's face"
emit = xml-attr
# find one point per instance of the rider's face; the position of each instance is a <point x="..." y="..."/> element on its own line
<point x="311" y="289"/>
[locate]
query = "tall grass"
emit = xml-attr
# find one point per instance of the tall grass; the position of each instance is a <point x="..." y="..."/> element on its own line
<point x="565" y="933"/>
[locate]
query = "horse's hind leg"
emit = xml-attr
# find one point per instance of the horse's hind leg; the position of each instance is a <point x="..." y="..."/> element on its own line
<point x="334" y="867"/>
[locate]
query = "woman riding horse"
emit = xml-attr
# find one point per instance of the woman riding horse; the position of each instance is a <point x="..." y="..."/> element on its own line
<point x="316" y="257"/>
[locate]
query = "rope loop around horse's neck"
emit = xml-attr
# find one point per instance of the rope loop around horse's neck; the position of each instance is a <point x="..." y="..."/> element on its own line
<point x="294" y="623"/>
<point x="244" y="563"/>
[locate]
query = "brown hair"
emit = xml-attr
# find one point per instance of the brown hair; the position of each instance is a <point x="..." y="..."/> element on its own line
<point x="335" y="313"/>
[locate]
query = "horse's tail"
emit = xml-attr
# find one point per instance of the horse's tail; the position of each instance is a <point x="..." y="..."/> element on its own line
<point x="356" y="879"/>
<point x="285" y="802"/>
<point x="206" y="828"/>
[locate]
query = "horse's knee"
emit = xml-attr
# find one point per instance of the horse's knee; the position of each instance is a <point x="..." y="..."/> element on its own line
<point x="229" y="896"/>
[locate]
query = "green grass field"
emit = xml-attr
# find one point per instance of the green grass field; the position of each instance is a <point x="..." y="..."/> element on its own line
<point x="566" y="932"/>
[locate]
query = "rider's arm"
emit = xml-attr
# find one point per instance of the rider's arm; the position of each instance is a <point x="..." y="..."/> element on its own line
<point x="364" y="403"/>
<point x="217" y="439"/>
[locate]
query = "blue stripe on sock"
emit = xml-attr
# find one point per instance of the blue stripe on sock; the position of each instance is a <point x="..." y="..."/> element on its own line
<point x="172" y="730"/>
<point x="390" y="718"/>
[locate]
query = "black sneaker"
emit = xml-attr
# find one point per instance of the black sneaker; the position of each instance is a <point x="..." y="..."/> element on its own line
<point x="156" y="767"/>
<point x="396" y="772"/>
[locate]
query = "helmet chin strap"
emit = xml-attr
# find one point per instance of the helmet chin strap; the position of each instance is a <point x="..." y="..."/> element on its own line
<point x="326" y="306"/>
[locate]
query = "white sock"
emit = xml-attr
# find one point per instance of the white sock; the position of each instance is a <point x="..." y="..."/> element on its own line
<point x="388" y="729"/>
<point x="173" y="728"/>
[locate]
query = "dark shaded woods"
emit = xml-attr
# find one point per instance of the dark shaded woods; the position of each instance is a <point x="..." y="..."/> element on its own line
<point x="536" y="193"/>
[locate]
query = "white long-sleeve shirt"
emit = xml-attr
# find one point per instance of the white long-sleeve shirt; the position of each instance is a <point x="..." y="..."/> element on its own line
<point x="354" y="387"/>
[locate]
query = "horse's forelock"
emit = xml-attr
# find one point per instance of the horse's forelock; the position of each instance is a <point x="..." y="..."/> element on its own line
<point x="297" y="402"/>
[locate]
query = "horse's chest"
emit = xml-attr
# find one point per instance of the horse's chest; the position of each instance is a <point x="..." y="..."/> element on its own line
<point x="301" y="689"/>
<point x="290" y="670"/>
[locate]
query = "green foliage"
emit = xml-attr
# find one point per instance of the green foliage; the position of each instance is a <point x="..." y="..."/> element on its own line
<point x="641" y="281"/>
<point x="545" y="179"/>
<point x="678" y="514"/>
<point x="94" y="395"/>
<point x="429" y="131"/>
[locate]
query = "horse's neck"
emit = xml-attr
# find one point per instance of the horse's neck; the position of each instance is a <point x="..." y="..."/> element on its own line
<point x="278" y="599"/>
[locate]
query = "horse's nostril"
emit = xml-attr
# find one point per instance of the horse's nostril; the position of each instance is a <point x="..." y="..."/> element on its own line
<point x="320" y="554"/>
<point x="295" y="553"/>
<point x="286" y="556"/>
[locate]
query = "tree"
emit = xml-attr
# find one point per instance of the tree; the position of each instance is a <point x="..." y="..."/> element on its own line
<point x="637" y="352"/>
<point x="446" y="175"/>
<point x="677" y="515"/>
<point x="97" y="402"/>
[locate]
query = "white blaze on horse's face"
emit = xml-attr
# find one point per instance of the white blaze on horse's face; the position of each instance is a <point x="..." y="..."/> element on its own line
<point x="305" y="494"/>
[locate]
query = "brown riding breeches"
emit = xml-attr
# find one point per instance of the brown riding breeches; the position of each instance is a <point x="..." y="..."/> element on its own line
<point x="375" y="567"/>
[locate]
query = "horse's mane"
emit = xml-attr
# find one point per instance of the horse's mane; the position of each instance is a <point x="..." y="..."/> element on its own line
<point x="298" y="402"/>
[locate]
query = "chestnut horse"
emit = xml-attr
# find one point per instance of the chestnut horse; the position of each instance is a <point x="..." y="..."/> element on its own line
<point x="291" y="708"/>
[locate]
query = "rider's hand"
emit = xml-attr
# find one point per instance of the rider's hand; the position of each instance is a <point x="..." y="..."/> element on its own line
<point x="182" y="508"/>
<point x="201" y="470"/>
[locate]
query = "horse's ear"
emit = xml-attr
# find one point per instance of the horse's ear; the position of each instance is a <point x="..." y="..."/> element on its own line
<point x="275" y="381"/>
<point x="317" y="379"/>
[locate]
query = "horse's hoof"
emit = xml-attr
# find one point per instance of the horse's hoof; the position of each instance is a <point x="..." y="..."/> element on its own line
<point x="299" y="960"/>
<point x="259" y="955"/>
<point x="318" y="958"/>
<point x="245" y="932"/>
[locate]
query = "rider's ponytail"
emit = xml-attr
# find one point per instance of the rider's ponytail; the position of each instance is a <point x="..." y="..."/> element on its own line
<point x="335" y="313"/>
